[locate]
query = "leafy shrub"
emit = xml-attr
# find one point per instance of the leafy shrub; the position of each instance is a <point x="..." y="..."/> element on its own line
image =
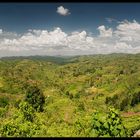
<point x="19" y="128"/>
<point x="111" y="126"/>
<point x="27" y="111"/>
<point x="114" y="124"/>
<point x="35" y="97"/>
<point x="24" y="123"/>
<point x="97" y="128"/>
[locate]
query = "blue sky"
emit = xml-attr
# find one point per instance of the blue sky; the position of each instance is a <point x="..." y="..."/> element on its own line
<point x="88" y="16"/>
<point x="91" y="21"/>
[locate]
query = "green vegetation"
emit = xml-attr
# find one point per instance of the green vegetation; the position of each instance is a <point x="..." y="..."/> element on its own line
<point x="35" y="97"/>
<point x="111" y="126"/>
<point x="82" y="96"/>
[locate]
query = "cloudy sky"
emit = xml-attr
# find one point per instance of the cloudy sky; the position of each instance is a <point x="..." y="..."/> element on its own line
<point x="69" y="28"/>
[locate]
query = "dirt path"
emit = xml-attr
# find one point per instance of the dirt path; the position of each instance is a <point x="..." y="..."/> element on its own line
<point x="128" y="114"/>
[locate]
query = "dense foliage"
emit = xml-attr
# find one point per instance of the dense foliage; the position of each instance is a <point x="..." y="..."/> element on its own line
<point x="35" y="97"/>
<point x="111" y="125"/>
<point x="82" y="96"/>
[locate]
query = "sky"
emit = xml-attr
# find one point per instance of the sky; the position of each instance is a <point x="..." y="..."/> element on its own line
<point x="69" y="28"/>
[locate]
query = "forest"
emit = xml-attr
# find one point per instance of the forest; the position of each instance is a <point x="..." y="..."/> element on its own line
<point x="75" y="96"/>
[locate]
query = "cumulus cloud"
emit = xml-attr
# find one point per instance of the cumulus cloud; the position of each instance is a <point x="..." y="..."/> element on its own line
<point x="104" y="32"/>
<point x="125" y="39"/>
<point x="129" y="32"/>
<point x="62" y="11"/>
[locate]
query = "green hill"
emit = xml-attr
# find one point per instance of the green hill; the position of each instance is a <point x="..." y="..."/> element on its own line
<point x="74" y="88"/>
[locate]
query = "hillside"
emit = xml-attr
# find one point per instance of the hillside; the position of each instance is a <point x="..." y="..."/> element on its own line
<point x="73" y="89"/>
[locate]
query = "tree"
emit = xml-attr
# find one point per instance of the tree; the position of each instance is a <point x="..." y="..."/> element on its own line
<point x="35" y="97"/>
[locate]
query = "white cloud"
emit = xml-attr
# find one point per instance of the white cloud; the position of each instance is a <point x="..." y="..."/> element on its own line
<point x="104" y="32"/>
<point x="125" y="39"/>
<point x="62" y="11"/>
<point x="129" y="32"/>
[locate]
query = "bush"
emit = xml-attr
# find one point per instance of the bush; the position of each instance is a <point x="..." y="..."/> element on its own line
<point x="23" y="123"/>
<point x="14" y="128"/>
<point x="35" y="97"/>
<point x="111" y="126"/>
<point x="27" y="111"/>
<point x="114" y="124"/>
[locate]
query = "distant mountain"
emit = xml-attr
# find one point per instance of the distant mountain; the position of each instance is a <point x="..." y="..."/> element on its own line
<point x="55" y="59"/>
<point x="60" y="59"/>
